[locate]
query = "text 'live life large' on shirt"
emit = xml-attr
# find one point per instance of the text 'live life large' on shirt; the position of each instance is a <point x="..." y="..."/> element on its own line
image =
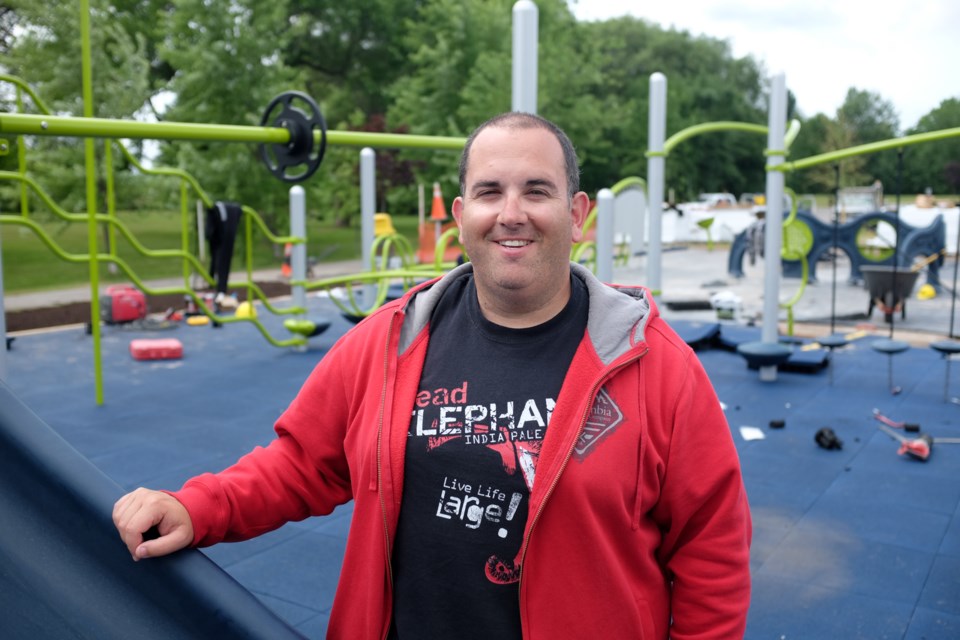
<point x="483" y="408"/>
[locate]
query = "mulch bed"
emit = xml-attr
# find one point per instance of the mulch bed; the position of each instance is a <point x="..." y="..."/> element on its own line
<point x="79" y="312"/>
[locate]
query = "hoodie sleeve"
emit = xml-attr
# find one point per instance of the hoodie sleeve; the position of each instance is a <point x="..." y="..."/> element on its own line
<point x="302" y="472"/>
<point x="704" y="516"/>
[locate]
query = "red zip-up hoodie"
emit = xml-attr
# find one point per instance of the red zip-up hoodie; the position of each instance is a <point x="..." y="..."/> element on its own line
<point x="638" y="523"/>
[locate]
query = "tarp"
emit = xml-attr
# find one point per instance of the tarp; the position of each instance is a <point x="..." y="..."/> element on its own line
<point x="64" y="573"/>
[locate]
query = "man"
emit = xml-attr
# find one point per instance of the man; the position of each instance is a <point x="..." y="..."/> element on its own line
<point x="530" y="453"/>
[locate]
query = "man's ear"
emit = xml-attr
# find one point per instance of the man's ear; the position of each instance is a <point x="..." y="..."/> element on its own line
<point x="579" y="209"/>
<point x="456" y="209"/>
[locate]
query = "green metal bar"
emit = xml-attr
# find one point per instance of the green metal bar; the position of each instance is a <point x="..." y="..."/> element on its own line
<point x="87" y="127"/>
<point x="167" y="171"/>
<point x="248" y="228"/>
<point x="620" y="186"/>
<point x="863" y="149"/>
<point x="22" y="84"/>
<point x="626" y="183"/>
<point x="57" y="210"/>
<point x="111" y="198"/>
<point x="448" y="236"/>
<point x="101" y="218"/>
<point x="43" y="108"/>
<point x="250" y="212"/>
<point x="45" y="238"/>
<point x="157" y="291"/>
<point x="710" y="127"/>
<point x="185" y="220"/>
<point x="22" y="161"/>
<point x="804" y="265"/>
<point x="394" y="140"/>
<point x="91" y="169"/>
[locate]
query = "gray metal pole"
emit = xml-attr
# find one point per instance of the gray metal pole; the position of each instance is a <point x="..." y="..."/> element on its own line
<point x="368" y="207"/>
<point x="525" y="34"/>
<point x="605" y="235"/>
<point x="298" y="254"/>
<point x="774" y="217"/>
<point x="657" y="133"/>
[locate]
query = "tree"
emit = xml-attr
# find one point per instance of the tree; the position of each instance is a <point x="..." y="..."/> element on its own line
<point x="866" y="117"/>
<point x="46" y="53"/>
<point x="227" y="73"/>
<point x="705" y="83"/>
<point x="459" y="76"/>
<point x="935" y="165"/>
<point x="9" y="20"/>
<point x="350" y="52"/>
<point x="818" y="135"/>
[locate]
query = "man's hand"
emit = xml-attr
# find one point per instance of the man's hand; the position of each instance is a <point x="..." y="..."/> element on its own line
<point x="139" y="511"/>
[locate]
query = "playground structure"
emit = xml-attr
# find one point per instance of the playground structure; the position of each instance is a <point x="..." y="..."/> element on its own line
<point x="776" y="241"/>
<point x="292" y="145"/>
<point x="384" y="251"/>
<point x="379" y="253"/>
<point x="625" y="236"/>
<point x="861" y="239"/>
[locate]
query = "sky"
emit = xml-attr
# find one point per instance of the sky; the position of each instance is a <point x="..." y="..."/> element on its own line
<point x="907" y="52"/>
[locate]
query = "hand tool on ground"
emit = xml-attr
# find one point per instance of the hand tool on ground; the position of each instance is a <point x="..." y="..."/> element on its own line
<point x="912" y="427"/>
<point x="918" y="448"/>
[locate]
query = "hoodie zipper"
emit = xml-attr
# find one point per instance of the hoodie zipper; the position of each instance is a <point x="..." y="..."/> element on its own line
<point x="380" y="491"/>
<point x="556" y="478"/>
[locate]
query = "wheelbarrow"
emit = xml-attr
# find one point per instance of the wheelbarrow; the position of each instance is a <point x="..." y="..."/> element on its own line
<point x="889" y="290"/>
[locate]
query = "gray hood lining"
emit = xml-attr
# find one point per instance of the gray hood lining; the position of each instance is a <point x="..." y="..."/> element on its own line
<point x="616" y="321"/>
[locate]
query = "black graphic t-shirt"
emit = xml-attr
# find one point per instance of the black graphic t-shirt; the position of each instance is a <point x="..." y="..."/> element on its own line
<point x="484" y="406"/>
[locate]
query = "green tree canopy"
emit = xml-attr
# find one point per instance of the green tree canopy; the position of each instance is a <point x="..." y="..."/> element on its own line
<point x="436" y="67"/>
<point x="935" y="166"/>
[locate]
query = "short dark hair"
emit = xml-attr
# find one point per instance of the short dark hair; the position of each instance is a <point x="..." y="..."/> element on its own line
<point x="521" y="120"/>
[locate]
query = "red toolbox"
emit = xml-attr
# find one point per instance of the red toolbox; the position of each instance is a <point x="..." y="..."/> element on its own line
<point x="122" y="303"/>
<point x="156" y="349"/>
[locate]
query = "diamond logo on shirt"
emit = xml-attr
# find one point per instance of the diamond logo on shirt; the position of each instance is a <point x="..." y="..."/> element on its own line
<point x="604" y="417"/>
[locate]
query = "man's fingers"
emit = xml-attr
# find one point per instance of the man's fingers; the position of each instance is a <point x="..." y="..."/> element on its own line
<point x="152" y="523"/>
<point x="165" y="544"/>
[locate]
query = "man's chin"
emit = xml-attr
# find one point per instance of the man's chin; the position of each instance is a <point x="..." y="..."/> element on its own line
<point x="511" y="282"/>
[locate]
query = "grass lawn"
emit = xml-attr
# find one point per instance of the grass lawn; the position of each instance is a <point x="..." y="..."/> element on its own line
<point x="29" y="265"/>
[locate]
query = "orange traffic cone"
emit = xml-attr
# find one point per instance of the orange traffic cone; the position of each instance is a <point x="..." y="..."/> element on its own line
<point x="438" y="213"/>
<point x="286" y="269"/>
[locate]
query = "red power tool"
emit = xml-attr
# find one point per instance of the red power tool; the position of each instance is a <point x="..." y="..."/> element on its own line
<point x="918" y="448"/>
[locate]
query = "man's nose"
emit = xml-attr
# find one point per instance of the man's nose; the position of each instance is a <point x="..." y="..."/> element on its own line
<point x="512" y="213"/>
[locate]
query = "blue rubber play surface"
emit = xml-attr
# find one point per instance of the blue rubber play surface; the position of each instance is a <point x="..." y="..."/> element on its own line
<point x="855" y="542"/>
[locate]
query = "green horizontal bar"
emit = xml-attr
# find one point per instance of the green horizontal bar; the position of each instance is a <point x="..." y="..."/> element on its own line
<point x="66" y="126"/>
<point x="709" y="127"/>
<point x="394" y="140"/>
<point x="872" y="147"/>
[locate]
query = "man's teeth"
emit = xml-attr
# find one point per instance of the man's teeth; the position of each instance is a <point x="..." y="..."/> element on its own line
<point x="514" y="243"/>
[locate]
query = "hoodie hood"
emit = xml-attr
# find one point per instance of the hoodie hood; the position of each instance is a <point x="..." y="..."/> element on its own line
<point x="616" y="321"/>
